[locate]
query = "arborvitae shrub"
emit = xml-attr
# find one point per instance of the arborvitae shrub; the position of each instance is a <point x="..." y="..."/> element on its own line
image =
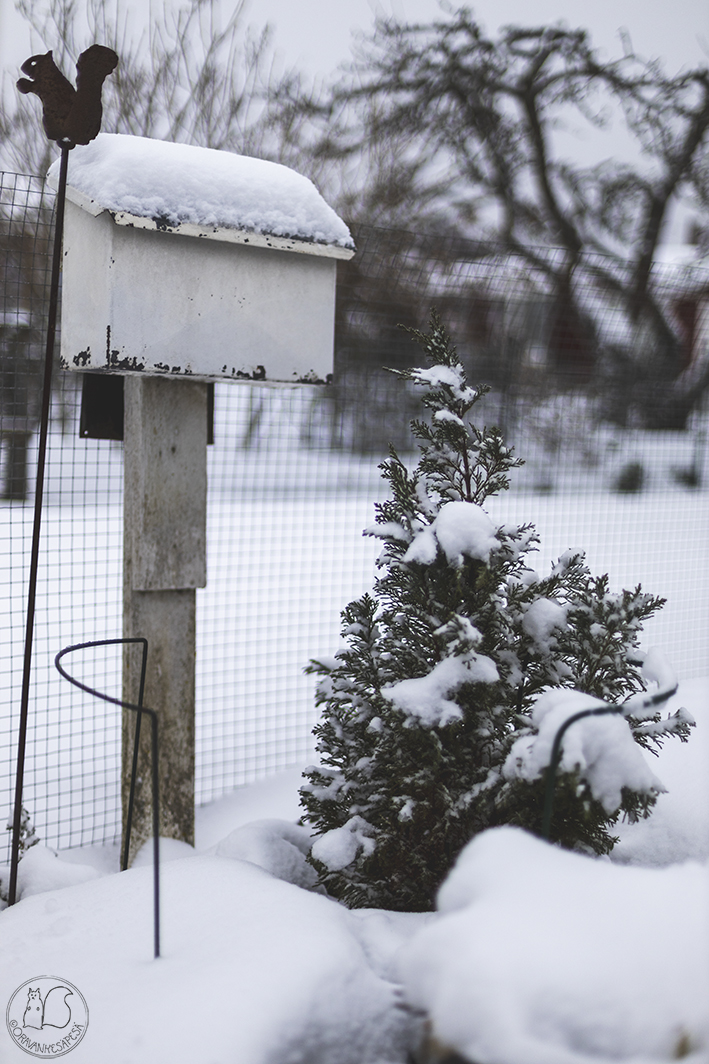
<point x="443" y="664"/>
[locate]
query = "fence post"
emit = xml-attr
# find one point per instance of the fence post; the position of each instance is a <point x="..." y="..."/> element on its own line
<point x="165" y="478"/>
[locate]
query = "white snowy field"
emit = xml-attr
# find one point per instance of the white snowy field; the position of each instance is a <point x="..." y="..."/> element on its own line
<point x="535" y="956"/>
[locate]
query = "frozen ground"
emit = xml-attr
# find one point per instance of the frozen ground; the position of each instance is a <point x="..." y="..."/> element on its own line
<point x="536" y="956"/>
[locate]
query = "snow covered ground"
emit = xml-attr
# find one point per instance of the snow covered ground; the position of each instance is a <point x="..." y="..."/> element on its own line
<point x="536" y="956"/>
<point x="540" y="956"/>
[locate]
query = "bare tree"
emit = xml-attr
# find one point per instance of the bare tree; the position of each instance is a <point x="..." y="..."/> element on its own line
<point x="474" y="123"/>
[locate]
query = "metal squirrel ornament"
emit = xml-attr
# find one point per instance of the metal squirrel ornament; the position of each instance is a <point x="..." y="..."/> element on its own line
<point x="70" y="115"/>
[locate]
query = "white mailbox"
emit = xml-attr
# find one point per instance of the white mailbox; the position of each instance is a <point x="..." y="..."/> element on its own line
<point x="184" y="261"/>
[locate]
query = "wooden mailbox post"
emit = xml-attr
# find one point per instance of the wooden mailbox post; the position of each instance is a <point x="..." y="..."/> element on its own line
<point x="183" y="266"/>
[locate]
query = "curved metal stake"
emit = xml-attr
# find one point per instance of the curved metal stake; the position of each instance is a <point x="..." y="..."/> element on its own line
<point x="140" y="709"/>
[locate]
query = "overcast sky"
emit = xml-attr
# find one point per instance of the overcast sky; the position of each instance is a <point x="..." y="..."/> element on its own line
<point x="316" y="34"/>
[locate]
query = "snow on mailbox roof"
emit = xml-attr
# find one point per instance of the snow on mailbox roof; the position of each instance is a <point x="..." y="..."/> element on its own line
<point x="155" y="184"/>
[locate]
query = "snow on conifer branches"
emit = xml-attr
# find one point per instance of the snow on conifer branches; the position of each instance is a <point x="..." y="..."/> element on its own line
<point x="430" y="730"/>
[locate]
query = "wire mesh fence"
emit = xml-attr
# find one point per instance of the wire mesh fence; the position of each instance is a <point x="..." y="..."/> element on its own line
<point x="293" y="478"/>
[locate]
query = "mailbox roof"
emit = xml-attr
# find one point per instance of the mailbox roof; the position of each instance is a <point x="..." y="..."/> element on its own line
<point x="202" y="192"/>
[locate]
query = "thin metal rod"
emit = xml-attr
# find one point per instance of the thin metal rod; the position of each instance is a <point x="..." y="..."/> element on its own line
<point x="139" y="709"/>
<point x="38" y="498"/>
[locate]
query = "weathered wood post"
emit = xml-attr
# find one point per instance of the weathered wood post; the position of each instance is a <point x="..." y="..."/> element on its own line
<point x="164" y="561"/>
<point x="183" y="266"/>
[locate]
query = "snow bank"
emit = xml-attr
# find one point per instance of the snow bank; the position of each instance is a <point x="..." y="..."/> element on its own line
<point x="170" y="850"/>
<point x="179" y="183"/>
<point x="276" y="846"/>
<point x="41" y="870"/>
<point x="542" y="956"/>
<point x="253" y="970"/>
<point x="537" y="956"/>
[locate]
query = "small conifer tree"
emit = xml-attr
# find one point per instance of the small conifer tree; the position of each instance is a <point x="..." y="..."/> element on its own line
<point x="443" y="664"/>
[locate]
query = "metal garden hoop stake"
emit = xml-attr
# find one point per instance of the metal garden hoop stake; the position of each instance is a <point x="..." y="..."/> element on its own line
<point x="140" y="709"/>
<point x="70" y="117"/>
<point x="597" y="711"/>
